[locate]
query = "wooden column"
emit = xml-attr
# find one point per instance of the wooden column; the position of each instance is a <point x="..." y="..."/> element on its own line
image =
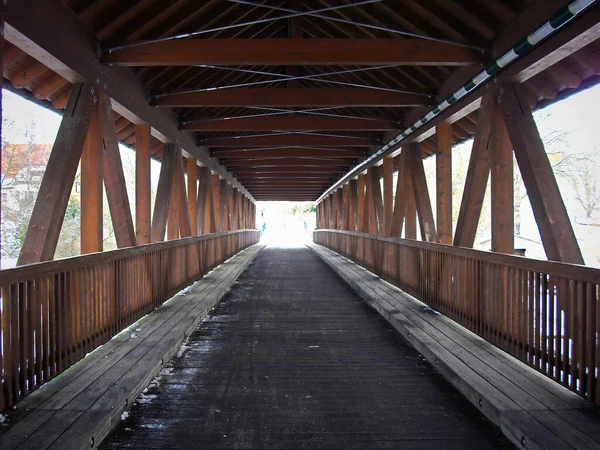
<point x="477" y="177"/>
<point x="353" y="205"/>
<point x="549" y="210"/>
<point x="173" y="216"/>
<point x="376" y="196"/>
<point x="163" y="193"/>
<point x="388" y="194"/>
<point x="401" y="197"/>
<point x="2" y="45"/>
<point x="224" y="191"/>
<point x="48" y="213"/>
<point x="204" y="210"/>
<point x="184" y="215"/>
<point x="143" y="218"/>
<point x="339" y="208"/>
<point x="421" y="192"/>
<point x="443" y="175"/>
<point x="216" y="202"/>
<point x="410" y="210"/>
<point x="192" y="189"/>
<point x="346" y="207"/>
<point x="114" y="179"/>
<point x="502" y="189"/>
<point x="363" y="221"/>
<point x="91" y="187"/>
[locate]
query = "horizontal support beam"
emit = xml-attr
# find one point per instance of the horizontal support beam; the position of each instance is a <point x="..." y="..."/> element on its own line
<point x="50" y="32"/>
<point x="290" y="52"/>
<point x="299" y="97"/>
<point x="287" y="170"/>
<point x="289" y="140"/>
<point x="290" y="152"/>
<point x="296" y="162"/>
<point x="291" y="123"/>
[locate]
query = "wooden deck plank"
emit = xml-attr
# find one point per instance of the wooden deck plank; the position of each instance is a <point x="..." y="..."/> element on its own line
<point x="544" y="413"/>
<point x="86" y="401"/>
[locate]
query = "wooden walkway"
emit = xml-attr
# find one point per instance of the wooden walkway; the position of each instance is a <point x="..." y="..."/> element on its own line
<point x="532" y="410"/>
<point x="292" y="358"/>
<point x="77" y="409"/>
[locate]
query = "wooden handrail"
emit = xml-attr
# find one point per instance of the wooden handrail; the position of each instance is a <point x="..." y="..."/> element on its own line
<point x="544" y="313"/>
<point x="555" y="268"/>
<point x="54" y="313"/>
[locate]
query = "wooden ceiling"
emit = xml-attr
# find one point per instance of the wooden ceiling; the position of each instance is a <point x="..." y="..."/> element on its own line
<point x="289" y="95"/>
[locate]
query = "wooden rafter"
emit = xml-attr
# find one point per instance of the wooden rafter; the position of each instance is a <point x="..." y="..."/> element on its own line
<point x="281" y="52"/>
<point x="299" y="97"/>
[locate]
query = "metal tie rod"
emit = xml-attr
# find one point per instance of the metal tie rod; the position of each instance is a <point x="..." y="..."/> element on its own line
<point x="245" y="24"/>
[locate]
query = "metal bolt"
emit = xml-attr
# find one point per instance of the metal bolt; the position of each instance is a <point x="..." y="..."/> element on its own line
<point x="523" y="441"/>
<point x="92" y="442"/>
<point x="436" y="361"/>
<point x="480" y="403"/>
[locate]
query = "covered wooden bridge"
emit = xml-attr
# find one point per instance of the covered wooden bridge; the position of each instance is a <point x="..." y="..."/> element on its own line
<point x="334" y="102"/>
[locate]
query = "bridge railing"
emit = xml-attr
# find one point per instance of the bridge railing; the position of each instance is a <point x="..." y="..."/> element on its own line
<point x="54" y="313"/>
<point x="544" y="313"/>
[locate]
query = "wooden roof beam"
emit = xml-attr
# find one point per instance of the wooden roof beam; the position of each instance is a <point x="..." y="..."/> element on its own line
<point x="291" y="123"/>
<point x="287" y="140"/>
<point x="290" y="152"/>
<point x="293" y="52"/>
<point x="284" y="97"/>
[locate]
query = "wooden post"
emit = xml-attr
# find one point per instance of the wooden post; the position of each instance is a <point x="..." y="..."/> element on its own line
<point x="363" y="221"/>
<point x="114" y="179"/>
<point x="204" y="209"/>
<point x="184" y="214"/>
<point x="421" y="192"/>
<point x="477" y="177"/>
<point x="410" y="211"/>
<point x="353" y="205"/>
<point x="192" y="189"/>
<point x="91" y="187"/>
<point x="143" y="219"/>
<point x="375" y="187"/>
<point x="443" y="174"/>
<point x="48" y="213"/>
<point x="173" y="216"/>
<point x="401" y="197"/>
<point x="502" y="189"/>
<point x="163" y="193"/>
<point x="224" y="192"/>
<point x="549" y="210"/>
<point x="216" y="202"/>
<point x="346" y="207"/>
<point x="388" y="194"/>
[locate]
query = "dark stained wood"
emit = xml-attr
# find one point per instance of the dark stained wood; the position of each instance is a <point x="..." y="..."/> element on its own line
<point x="92" y="187"/>
<point x="443" y="172"/>
<point x="72" y="53"/>
<point x="290" y="152"/>
<point x="46" y="220"/>
<point x="401" y="197"/>
<point x="300" y="97"/>
<point x="216" y="202"/>
<point x="143" y="220"/>
<point x="410" y="209"/>
<point x="204" y="207"/>
<point x="163" y="193"/>
<point x="421" y="193"/>
<point x="192" y="191"/>
<point x="331" y="164"/>
<point x="292" y="123"/>
<point x="388" y="194"/>
<point x="286" y="140"/>
<point x="549" y="210"/>
<point x="379" y="225"/>
<point x="184" y="214"/>
<point x="114" y="179"/>
<point x="353" y="205"/>
<point x="281" y="52"/>
<point x="477" y="177"/>
<point x="362" y="219"/>
<point x="173" y="214"/>
<point x="502" y="186"/>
